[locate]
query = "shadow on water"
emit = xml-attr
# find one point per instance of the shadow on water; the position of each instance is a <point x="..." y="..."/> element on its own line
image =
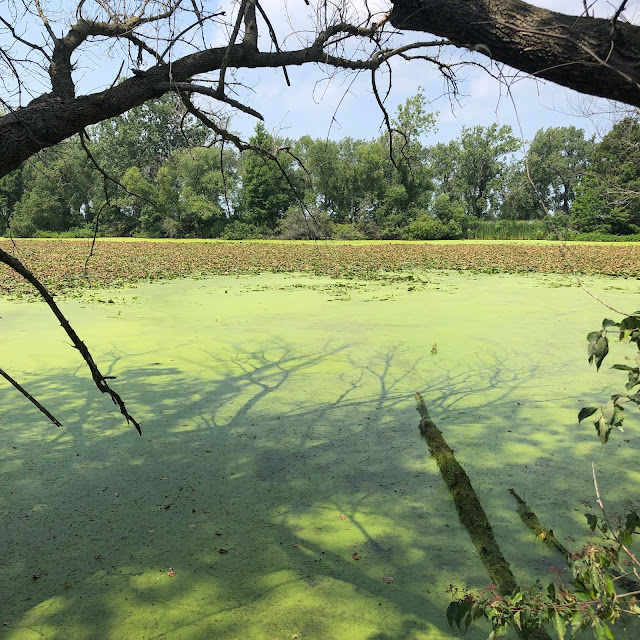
<point x="264" y="466"/>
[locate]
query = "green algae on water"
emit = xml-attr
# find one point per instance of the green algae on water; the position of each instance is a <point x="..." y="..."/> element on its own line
<point x="269" y="411"/>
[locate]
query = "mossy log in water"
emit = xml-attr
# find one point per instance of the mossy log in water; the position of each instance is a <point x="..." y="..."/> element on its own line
<point x="546" y="535"/>
<point x="531" y="520"/>
<point x="470" y="510"/>
<point x="471" y="513"/>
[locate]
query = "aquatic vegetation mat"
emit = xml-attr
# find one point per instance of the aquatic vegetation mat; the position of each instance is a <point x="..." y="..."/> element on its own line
<point x="60" y="263"/>
<point x="281" y="487"/>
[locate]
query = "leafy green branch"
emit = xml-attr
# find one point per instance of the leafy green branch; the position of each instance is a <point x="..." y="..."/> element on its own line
<point x="599" y="596"/>
<point x="611" y="414"/>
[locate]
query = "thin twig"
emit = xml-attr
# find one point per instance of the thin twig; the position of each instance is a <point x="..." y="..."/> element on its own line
<point x="274" y="38"/>
<point x="29" y="397"/>
<point x="214" y="93"/>
<point x="95" y="227"/>
<point x="617" y="14"/>
<point x="232" y="41"/>
<point x="385" y="114"/>
<point x="83" y="138"/>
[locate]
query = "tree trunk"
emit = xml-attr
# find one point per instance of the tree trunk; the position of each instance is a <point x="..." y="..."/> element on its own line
<point x="593" y="56"/>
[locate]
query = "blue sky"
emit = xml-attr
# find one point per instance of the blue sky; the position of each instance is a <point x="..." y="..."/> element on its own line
<point x="345" y="106"/>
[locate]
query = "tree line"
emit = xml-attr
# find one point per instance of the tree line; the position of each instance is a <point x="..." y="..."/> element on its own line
<point x="156" y="172"/>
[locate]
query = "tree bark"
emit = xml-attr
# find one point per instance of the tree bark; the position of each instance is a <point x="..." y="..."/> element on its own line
<point x="50" y="119"/>
<point x="592" y="56"/>
<point x="472" y="515"/>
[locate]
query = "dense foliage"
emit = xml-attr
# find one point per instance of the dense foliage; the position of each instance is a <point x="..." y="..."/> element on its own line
<point x="166" y="178"/>
<point x="601" y="596"/>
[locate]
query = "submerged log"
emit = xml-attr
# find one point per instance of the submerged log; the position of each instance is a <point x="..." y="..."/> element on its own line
<point x="471" y="513"/>
<point x="531" y="520"/>
<point x="546" y="535"/>
<point x="470" y="510"/>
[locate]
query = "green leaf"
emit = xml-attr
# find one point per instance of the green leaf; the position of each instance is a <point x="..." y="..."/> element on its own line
<point x="611" y="415"/>
<point x="598" y="630"/>
<point x="625" y="538"/>
<point x="618" y="416"/>
<point x="600" y="350"/>
<point x="608" y="585"/>
<point x="464" y="608"/>
<point x="558" y="624"/>
<point x="632" y="521"/>
<point x="594" y="577"/>
<point x="634" y="378"/>
<point x="517" y="619"/>
<point x="603" y="430"/>
<point x="576" y="622"/>
<point x="585" y="412"/>
<point x="609" y="323"/>
<point x="452" y="612"/>
<point x="592" y="521"/>
<point x="478" y="612"/>
<point x="630" y="322"/>
<point x="624" y="335"/>
<point x="623" y="367"/>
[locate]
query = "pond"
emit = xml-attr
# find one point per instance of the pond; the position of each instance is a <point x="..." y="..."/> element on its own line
<point x="281" y="488"/>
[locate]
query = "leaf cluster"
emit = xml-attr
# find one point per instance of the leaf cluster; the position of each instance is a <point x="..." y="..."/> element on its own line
<point x="611" y="413"/>
<point x="597" y="597"/>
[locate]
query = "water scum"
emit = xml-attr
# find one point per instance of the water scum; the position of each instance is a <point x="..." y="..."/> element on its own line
<point x="281" y="488"/>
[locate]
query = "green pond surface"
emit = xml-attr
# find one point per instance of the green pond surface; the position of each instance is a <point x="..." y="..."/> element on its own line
<point x="279" y="424"/>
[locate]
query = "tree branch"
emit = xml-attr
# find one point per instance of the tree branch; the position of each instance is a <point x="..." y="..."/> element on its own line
<point x="213" y="93"/>
<point x="99" y="380"/>
<point x="49" y="120"/>
<point x="577" y="52"/>
<point x="232" y="42"/>
<point x="29" y="397"/>
<point x="274" y="38"/>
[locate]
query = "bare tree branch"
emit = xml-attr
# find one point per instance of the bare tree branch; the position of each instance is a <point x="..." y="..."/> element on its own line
<point x="99" y="380"/>
<point x="274" y="38"/>
<point x="49" y="120"/>
<point x="214" y="93"/>
<point x="29" y="397"/>
<point x="232" y="42"/>
<point x="617" y="14"/>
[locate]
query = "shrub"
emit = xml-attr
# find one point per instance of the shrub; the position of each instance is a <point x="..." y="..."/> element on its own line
<point x="428" y="228"/>
<point x="506" y="229"/>
<point x="79" y="232"/>
<point x="239" y="230"/>
<point x="305" y="225"/>
<point x="347" y="232"/>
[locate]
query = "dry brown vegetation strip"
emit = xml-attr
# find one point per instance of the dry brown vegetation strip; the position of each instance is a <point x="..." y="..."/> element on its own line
<point x="60" y="263"/>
